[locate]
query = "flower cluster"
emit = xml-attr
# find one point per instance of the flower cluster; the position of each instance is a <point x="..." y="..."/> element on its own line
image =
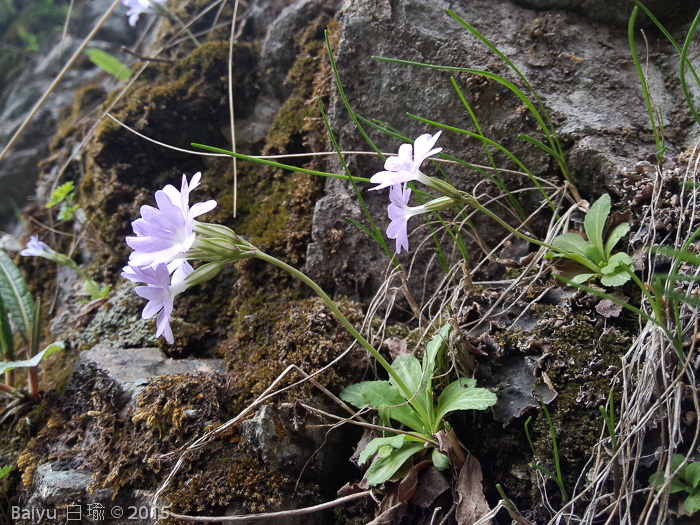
<point x="405" y="168"/>
<point x="137" y="8"/>
<point x="163" y="237"/>
<point x="167" y="237"/>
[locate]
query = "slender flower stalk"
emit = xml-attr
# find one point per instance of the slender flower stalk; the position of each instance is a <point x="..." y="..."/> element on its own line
<point x="408" y="394"/>
<point x="37" y="248"/>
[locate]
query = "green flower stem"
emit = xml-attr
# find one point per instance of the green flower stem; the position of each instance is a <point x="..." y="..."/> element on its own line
<point x="473" y="203"/>
<point x="350" y="328"/>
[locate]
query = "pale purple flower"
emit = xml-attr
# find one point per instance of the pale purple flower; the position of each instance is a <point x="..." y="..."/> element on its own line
<point x="399" y="212"/>
<point x="137" y="8"/>
<point x="166" y="232"/>
<point x="160" y="291"/>
<point x="406" y="166"/>
<point x="35" y="247"/>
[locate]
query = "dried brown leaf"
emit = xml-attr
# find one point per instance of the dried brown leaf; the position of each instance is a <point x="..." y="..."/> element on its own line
<point x="471" y="504"/>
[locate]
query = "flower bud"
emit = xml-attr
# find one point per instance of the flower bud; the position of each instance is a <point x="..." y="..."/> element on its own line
<point x="445" y="188"/>
<point x="204" y="273"/>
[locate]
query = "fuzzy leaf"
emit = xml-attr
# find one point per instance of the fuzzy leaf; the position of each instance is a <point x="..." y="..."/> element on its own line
<point x="618" y="233"/>
<point x="380" y="395"/>
<point x="406" y="415"/>
<point x="16" y="296"/>
<point x="618" y="278"/>
<point x="109" y="64"/>
<point x="376" y="443"/>
<point x="383" y="468"/>
<point x="440" y="460"/>
<point x="571" y="243"/>
<point x="353" y="394"/>
<point x="620" y="259"/>
<point x="582" y="278"/>
<point x="594" y="222"/>
<point x="373" y="394"/>
<point x="459" y="396"/>
<point x="615" y="274"/>
<point x="34" y="361"/>
<point x="594" y="256"/>
<point x="436" y="345"/>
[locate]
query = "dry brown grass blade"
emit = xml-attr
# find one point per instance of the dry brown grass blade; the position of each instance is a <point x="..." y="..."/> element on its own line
<point x="78" y="53"/>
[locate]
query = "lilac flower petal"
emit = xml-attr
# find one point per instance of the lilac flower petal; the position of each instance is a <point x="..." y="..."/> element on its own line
<point x="201" y="208"/>
<point x="181" y="272"/>
<point x="423" y="147"/>
<point x="406" y="165"/>
<point x="35" y="247"/>
<point x="389" y="178"/>
<point x="163" y="327"/>
<point x="165" y="232"/>
<point x="137" y="8"/>
<point x="397" y="211"/>
<point x="404" y="161"/>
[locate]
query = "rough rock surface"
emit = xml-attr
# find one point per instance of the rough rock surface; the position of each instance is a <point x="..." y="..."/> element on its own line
<point x="19" y="173"/>
<point x="580" y="68"/>
<point x="575" y="55"/>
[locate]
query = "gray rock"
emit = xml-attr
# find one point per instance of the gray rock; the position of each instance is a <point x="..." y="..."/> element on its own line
<point x="55" y="484"/>
<point x="132" y="368"/>
<point x="581" y="69"/>
<point x="18" y="170"/>
<point x="668" y="11"/>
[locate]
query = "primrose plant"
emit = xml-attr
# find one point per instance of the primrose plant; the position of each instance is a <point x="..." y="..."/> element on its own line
<point x="17" y="305"/>
<point x="595" y="254"/>
<point x="168" y="237"/>
<point x="419" y="412"/>
<point x="686" y="479"/>
<point x="64" y="195"/>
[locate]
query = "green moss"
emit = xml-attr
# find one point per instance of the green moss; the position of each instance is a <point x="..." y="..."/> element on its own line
<point x="270" y="335"/>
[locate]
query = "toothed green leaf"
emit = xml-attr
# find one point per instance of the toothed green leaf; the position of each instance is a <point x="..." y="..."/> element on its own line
<point x="462" y="395"/>
<point x="16" y="296"/>
<point x="376" y="443"/>
<point x="571" y="243"/>
<point x="618" y="233"/>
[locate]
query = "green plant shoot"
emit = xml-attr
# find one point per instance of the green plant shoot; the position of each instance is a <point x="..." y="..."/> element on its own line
<point x="64" y="196"/>
<point x="420" y="412"/>
<point x="595" y="254"/>
<point x="109" y="64"/>
<point x="687" y="479"/>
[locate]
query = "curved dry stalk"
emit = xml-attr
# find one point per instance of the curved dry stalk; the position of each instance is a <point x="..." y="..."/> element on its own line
<point x="249" y="518"/>
<point x="209" y="436"/>
<point x="78" y="53"/>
